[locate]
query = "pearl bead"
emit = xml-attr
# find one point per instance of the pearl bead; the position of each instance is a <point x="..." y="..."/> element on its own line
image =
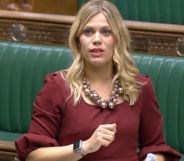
<point x="87" y="92"/>
<point x="84" y="87"/>
<point x="111" y="105"/>
<point x="98" y="101"/>
<point x="93" y="95"/>
<point x="120" y="90"/>
<point x="114" y="100"/>
<point x="103" y="104"/>
<point x="113" y="92"/>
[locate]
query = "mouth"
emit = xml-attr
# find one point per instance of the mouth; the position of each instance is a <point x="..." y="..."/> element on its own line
<point x="96" y="52"/>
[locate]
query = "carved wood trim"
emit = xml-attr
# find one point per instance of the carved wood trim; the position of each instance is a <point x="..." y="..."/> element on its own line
<point x="44" y="33"/>
<point x="147" y="37"/>
<point x="7" y="145"/>
<point x="8" y="151"/>
<point x="167" y="39"/>
<point x="157" y="43"/>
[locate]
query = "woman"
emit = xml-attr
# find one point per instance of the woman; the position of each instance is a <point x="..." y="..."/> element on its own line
<point x="101" y="108"/>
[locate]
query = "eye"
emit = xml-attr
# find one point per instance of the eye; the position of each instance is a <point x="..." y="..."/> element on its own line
<point x="106" y="32"/>
<point x="87" y="31"/>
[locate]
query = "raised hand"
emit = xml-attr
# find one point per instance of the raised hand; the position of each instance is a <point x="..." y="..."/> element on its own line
<point x="104" y="135"/>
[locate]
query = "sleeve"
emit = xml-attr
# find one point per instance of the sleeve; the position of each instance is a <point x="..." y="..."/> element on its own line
<point x="45" y="121"/>
<point x="151" y="137"/>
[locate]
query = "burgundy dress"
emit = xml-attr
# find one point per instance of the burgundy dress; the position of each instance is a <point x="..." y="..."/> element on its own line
<point x="57" y="122"/>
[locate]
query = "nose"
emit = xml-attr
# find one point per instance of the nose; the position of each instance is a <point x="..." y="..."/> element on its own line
<point x="96" y="38"/>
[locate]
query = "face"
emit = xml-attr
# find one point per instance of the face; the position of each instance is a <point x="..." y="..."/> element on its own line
<point x="97" y="41"/>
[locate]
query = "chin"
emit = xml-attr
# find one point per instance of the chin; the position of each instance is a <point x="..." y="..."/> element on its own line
<point x="99" y="63"/>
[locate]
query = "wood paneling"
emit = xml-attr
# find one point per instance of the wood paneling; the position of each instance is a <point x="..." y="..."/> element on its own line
<point x="8" y="151"/>
<point x="62" y="7"/>
<point x="146" y="37"/>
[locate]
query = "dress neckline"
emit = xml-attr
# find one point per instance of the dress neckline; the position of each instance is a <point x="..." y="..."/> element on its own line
<point x="94" y="105"/>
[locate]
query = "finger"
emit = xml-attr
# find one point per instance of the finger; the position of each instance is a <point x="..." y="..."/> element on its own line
<point x="114" y="127"/>
<point x="108" y="137"/>
<point x="101" y="141"/>
<point x="106" y="131"/>
<point x="105" y="134"/>
<point x="111" y="127"/>
<point x="108" y="126"/>
<point x="105" y="143"/>
<point x="114" y="124"/>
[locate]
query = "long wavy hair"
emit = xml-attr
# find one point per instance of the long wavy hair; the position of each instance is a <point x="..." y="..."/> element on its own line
<point x="125" y="70"/>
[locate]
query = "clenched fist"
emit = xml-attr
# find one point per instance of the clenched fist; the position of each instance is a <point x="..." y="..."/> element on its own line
<point x="104" y="135"/>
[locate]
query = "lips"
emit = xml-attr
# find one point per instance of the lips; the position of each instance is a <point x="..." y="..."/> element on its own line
<point x="96" y="52"/>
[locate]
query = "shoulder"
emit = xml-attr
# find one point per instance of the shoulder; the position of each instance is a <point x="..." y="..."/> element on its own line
<point x="146" y="84"/>
<point x="143" y="78"/>
<point x="57" y="80"/>
<point x="58" y="76"/>
<point x="55" y="83"/>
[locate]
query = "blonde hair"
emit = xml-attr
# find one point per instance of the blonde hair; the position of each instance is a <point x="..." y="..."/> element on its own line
<point x="125" y="69"/>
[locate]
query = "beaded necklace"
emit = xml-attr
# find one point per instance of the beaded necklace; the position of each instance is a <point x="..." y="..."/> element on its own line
<point x="95" y="98"/>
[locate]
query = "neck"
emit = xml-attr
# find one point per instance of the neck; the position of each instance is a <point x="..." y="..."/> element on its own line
<point x="100" y="74"/>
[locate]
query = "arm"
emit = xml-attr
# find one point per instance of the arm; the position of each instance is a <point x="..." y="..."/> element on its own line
<point x="40" y="142"/>
<point x="102" y="136"/>
<point x="46" y="118"/>
<point x="59" y="153"/>
<point x="151" y="137"/>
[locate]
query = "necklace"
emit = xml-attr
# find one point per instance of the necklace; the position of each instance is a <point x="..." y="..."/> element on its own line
<point x="95" y="98"/>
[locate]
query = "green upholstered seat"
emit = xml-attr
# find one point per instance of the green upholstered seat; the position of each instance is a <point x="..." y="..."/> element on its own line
<point x="22" y="71"/>
<point x="167" y="74"/>
<point x="162" y="11"/>
<point x="9" y="136"/>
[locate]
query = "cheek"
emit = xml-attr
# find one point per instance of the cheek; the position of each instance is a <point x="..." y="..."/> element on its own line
<point x="83" y="45"/>
<point x="83" y="41"/>
<point x="111" y="45"/>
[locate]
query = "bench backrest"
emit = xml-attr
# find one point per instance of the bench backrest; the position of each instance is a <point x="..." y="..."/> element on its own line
<point x="22" y="71"/>
<point x="167" y="74"/>
<point x="162" y="11"/>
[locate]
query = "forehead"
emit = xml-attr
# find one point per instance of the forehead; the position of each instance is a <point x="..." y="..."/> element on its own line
<point x="98" y="20"/>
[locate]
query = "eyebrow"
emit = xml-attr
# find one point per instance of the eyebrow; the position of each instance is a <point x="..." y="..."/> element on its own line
<point x="95" y="24"/>
<point x="89" y="26"/>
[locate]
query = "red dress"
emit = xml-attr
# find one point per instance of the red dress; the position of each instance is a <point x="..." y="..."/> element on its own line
<point x="57" y="122"/>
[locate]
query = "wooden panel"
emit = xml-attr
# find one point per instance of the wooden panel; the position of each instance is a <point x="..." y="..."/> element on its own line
<point x="34" y="28"/>
<point x="7" y="151"/>
<point x="62" y="7"/>
<point x="16" y="5"/>
<point x="157" y="38"/>
<point x="7" y="145"/>
<point x="146" y="37"/>
<point x="3" y="4"/>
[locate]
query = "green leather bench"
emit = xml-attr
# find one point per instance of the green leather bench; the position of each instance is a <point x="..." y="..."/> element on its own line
<point x="22" y="71"/>
<point x="162" y="11"/>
